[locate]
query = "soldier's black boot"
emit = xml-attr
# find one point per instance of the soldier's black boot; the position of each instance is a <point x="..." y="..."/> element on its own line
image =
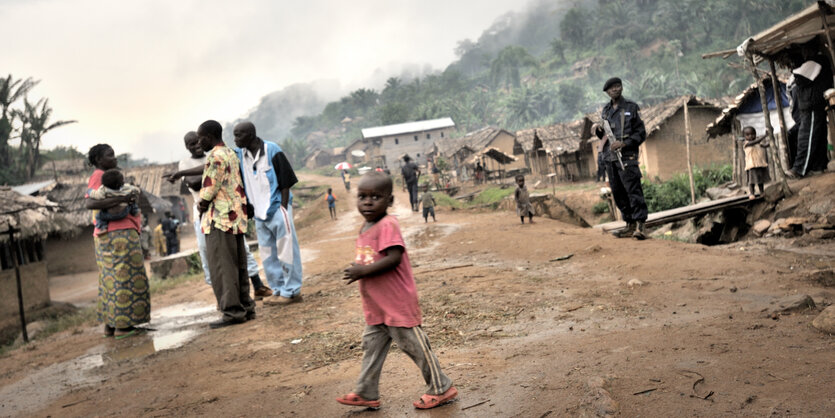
<point x="639" y="233"/>
<point x="626" y="232"/>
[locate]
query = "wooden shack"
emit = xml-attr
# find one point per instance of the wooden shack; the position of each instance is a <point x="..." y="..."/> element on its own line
<point x="746" y="110"/>
<point x="459" y="152"/>
<point x="559" y="149"/>
<point x="318" y="158"/>
<point x="810" y="30"/>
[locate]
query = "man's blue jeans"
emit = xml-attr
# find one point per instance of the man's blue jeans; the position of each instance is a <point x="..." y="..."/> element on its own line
<point x="284" y="278"/>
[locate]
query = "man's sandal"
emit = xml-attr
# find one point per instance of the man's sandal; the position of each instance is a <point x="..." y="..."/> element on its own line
<point x="428" y="401"/>
<point x="356" y="400"/>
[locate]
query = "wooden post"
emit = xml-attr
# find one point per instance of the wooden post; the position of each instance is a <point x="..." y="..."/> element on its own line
<point x="780" y="175"/>
<point x="689" y="160"/>
<point x="828" y="37"/>
<point x="831" y="49"/>
<point x="735" y="152"/>
<point x="15" y="253"/>
<point x="782" y="143"/>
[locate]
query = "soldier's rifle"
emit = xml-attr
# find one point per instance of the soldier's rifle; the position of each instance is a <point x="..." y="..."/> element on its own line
<point x="611" y="137"/>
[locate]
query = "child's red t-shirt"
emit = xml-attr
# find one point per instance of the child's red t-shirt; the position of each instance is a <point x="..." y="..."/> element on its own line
<point x="128" y="222"/>
<point x="389" y="298"/>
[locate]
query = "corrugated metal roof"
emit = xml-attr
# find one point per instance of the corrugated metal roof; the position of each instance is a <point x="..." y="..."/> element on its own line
<point x="30" y="188"/>
<point x="408" y="127"/>
<point x="797" y="29"/>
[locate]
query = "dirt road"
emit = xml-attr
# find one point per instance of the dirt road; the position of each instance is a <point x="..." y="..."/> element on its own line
<point x="653" y="328"/>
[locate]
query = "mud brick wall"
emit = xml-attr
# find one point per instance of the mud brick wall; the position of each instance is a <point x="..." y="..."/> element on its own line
<point x="35" y="285"/>
<point x="664" y="154"/>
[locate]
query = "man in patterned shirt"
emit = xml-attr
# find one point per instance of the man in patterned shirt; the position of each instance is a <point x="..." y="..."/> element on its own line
<point x="222" y="208"/>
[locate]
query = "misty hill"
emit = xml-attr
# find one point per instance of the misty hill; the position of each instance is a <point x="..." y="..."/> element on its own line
<point x="546" y="65"/>
<point x="276" y="112"/>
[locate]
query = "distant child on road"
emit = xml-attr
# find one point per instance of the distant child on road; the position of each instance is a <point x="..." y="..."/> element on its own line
<point x="389" y="301"/>
<point x="756" y="162"/>
<point x="331" y="204"/>
<point x="428" y="202"/>
<point x="346" y="179"/>
<point x="113" y="184"/>
<point x="523" y="200"/>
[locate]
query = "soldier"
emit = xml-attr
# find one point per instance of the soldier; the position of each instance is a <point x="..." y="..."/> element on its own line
<point x="621" y="157"/>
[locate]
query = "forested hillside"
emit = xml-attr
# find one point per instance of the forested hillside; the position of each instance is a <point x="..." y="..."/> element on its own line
<point x="548" y="64"/>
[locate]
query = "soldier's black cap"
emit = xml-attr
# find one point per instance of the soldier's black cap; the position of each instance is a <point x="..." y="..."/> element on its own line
<point x="611" y="82"/>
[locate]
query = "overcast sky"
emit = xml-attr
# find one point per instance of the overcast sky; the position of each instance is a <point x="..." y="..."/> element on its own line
<point x="139" y="74"/>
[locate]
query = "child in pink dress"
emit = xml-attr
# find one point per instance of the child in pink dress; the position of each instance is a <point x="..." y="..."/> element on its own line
<point x="389" y="301"/>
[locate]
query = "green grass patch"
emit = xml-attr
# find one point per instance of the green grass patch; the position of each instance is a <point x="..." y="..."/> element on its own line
<point x="83" y="316"/>
<point x="492" y="196"/>
<point x="445" y="201"/>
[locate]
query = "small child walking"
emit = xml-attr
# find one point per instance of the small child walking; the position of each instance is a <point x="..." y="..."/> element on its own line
<point x="428" y="202"/>
<point x="346" y="179"/>
<point x="756" y="161"/>
<point x="112" y="185"/>
<point x="523" y="200"/>
<point x="331" y="204"/>
<point x="389" y="301"/>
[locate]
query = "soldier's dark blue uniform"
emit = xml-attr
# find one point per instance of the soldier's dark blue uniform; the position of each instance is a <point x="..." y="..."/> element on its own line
<point x="627" y="126"/>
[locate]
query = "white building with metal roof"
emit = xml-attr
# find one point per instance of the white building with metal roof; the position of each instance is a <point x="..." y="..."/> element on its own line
<point x="414" y="138"/>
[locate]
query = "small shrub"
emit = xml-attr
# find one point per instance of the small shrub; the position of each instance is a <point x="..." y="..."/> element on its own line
<point x="600" y="208"/>
<point x="195" y="265"/>
<point x="675" y="192"/>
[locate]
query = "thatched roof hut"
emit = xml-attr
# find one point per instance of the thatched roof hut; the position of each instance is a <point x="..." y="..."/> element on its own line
<point x="557" y="139"/>
<point x="35" y="216"/>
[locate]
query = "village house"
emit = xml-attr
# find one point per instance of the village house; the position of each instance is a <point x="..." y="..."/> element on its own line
<point x="318" y="158"/>
<point x="746" y="110"/>
<point x="359" y="152"/>
<point x="664" y="153"/>
<point x="35" y="218"/>
<point x="559" y="149"/>
<point x="416" y="139"/>
<point x="497" y="150"/>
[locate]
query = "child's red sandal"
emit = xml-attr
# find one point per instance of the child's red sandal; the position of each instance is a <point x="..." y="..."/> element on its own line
<point x="356" y="400"/>
<point x="428" y="401"/>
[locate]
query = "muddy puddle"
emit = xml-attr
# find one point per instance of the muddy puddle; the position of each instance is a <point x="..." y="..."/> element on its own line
<point x="172" y="327"/>
<point x="426" y="237"/>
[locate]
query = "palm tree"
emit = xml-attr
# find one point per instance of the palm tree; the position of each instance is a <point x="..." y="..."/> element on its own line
<point x="35" y="124"/>
<point x="364" y="98"/>
<point x="10" y="91"/>
<point x="505" y="68"/>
